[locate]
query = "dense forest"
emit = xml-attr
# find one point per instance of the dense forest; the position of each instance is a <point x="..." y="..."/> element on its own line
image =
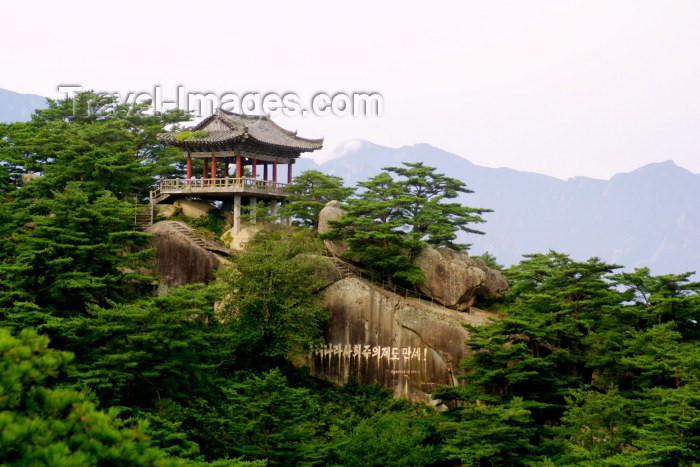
<point x="587" y="365"/>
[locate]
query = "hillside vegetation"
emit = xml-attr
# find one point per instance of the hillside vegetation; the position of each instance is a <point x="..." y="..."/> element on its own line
<point x="588" y="365"/>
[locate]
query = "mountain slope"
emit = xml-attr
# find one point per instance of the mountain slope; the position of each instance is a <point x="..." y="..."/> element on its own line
<point x="648" y="217"/>
<point x="15" y="107"/>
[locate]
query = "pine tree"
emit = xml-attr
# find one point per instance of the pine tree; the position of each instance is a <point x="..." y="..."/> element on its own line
<point x="311" y="191"/>
<point x="481" y="434"/>
<point x="374" y="230"/>
<point x="42" y="425"/>
<point x="539" y="351"/>
<point x="90" y="139"/>
<point x="424" y="205"/>
<point x="391" y="440"/>
<point x="272" y="304"/>
<point x="76" y="252"/>
<point x="399" y="211"/>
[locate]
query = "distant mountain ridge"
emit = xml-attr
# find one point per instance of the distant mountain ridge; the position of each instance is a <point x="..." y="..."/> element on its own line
<point x="647" y="217"/>
<point x="16" y="107"/>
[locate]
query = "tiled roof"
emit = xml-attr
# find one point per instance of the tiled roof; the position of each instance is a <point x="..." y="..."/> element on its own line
<point x="213" y="137"/>
<point x="239" y="128"/>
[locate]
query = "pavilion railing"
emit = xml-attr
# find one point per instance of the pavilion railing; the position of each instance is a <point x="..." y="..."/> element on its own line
<point x="220" y="184"/>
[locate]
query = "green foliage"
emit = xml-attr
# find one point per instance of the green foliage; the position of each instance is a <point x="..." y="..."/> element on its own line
<point x="491" y="261"/>
<point x="140" y="353"/>
<point x="264" y="418"/>
<point x="271" y="300"/>
<point x="424" y="205"/>
<point x="213" y="224"/>
<point x="66" y="237"/>
<point x="41" y="425"/>
<point x="310" y="192"/>
<point x="391" y="440"/>
<point x="659" y="426"/>
<point x="399" y="211"/>
<point x="608" y="365"/>
<point x="477" y="434"/>
<point x="73" y="252"/>
<point x="92" y="140"/>
<point x="374" y="231"/>
<point x="188" y="135"/>
<point x="586" y="366"/>
<point x="262" y="211"/>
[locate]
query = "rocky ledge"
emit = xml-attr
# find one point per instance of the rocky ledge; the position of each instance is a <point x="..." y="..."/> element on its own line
<point x="405" y="344"/>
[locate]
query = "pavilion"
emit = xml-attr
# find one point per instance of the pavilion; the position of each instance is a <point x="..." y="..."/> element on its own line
<point x="227" y="139"/>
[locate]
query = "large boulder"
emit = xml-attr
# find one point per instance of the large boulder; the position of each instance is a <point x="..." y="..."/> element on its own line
<point x="495" y="284"/>
<point x="182" y="257"/>
<point x="405" y="344"/>
<point x="238" y="241"/>
<point x="332" y="210"/>
<point x="455" y="279"/>
<point x="166" y="210"/>
<point x="193" y="209"/>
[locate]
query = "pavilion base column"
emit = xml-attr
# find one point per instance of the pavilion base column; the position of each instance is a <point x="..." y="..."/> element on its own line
<point x="236" y="214"/>
<point x="273" y="210"/>
<point x="253" y="209"/>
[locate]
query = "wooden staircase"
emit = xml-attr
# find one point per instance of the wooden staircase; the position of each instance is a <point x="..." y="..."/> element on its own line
<point x="145" y="213"/>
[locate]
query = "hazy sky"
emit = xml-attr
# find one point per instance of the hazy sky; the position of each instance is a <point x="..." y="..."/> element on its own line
<point x="558" y="87"/>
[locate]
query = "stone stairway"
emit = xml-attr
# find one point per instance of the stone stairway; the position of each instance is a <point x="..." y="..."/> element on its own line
<point x="344" y="269"/>
<point x="189" y="233"/>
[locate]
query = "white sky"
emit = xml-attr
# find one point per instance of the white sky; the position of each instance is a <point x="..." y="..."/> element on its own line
<point x="559" y="87"/>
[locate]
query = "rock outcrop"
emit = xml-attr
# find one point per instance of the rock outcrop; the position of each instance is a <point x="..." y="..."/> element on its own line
<point x="193" y="209"/>
<point x="166" y="210"/>
<point x="182" y="257"/>
<point x="331" y="210"/>
<point x="238" y="241"/>
<point x="405" y="344"/>
<point x="455" y="279"/>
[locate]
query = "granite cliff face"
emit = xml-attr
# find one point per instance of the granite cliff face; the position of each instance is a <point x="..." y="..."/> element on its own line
<point x="405" y="344"/>
<point x="408" y="345"/>
<point x="181" y="257"/>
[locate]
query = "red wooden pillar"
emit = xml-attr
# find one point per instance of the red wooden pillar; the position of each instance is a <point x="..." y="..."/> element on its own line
<point x="226" y="167"/>
<point x="189" y="167"/>
<point x="265" y="170"/>
<point x="289" y="173"/>
<point x="239" y="167"/>
<point x="274" y="172"/>
<point x="213" y="165"/>
<point x="254" y="169"/>
<point x="205" y="171"/>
